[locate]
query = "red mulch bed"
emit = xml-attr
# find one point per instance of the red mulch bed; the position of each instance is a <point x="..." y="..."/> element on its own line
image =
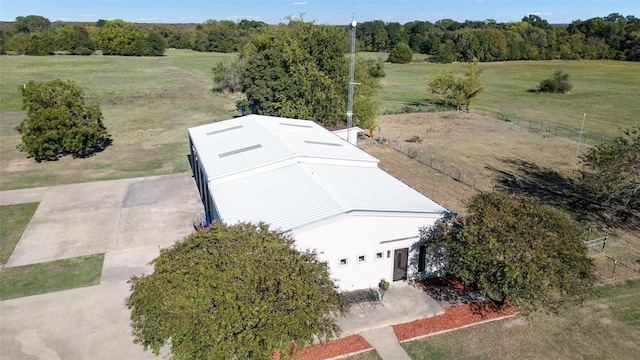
<point x="331" y="349"/>
<point x="453" y="317"/>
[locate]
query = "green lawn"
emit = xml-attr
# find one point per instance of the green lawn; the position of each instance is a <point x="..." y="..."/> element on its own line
<point x="39" y="278"/>
<point x="606" y="327"/>
<point x="13" y="221"/>
<point x="369" y="355"/>
<point x="50" y="276"/>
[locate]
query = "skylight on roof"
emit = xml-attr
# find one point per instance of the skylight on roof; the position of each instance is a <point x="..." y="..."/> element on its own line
<point x="321" y="143"/>
<point x="241" y="150"/>
<point x="224" y="130"/>
<point x="297" y="125"/>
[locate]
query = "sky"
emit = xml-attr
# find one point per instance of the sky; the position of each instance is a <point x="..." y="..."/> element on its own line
<point x="330" y="12"/>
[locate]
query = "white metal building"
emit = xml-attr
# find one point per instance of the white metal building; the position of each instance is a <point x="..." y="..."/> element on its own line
<point x="304" y="180"/>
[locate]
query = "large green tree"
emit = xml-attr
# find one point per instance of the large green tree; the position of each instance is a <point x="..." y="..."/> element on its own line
<point x="300" y="70"/>
<point x="124" y="38"/>
<point x="31" y="23"/>
<point x="617" y="163"/>
<point x="75" y="39"/>
<point x="59" y="122"/>
<point x="234" y="292"/>
<point x="515" y="249"/>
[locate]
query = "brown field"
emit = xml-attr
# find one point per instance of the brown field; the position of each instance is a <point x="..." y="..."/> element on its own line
<point x="492" y="153"/>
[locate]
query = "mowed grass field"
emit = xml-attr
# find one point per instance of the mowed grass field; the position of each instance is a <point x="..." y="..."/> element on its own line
<point x="607" y="91"/>
<point x="147" y="103"/>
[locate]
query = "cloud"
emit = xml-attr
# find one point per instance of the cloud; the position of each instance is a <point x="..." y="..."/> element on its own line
<point x="299" y="3"/>
<point x="541" y="13"/>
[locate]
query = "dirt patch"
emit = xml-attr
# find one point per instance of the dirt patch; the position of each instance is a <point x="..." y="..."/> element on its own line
<point x="515" y="322"/>
<point x="19" y="165"/>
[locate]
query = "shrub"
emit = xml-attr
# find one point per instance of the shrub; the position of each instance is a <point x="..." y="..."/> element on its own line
<point x="558" y="83"/>
<point x="401" y="54"/>
<point x="416" y="139"/>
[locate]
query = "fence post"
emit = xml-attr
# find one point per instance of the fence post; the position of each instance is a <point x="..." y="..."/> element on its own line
<point x="431" y="161"/>
<point x="615" y="262"/>
<point x="475" y="177"/>
<point x="420" y="156"/>
<point x="445" y="168"/>
<point x="460" y="174"/>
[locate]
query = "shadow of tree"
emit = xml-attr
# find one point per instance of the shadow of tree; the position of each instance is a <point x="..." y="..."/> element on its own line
<point x="568" y="194"/>
<point x="448" y="291"/>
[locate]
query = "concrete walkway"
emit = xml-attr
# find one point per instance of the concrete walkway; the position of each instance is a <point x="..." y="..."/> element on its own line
<point x="386" y="344"/>
<point x="129" y="220"/>
<point x="373" y="320"/>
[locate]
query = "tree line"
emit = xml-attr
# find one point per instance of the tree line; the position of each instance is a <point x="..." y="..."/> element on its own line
<point x="614" y="37"/>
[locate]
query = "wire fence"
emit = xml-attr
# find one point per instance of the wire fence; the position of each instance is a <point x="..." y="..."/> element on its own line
<point x="464" y="175"/>
<point x="611" y="269"/>
<point x="548" y="128"/>
<point x="608" y="268"/>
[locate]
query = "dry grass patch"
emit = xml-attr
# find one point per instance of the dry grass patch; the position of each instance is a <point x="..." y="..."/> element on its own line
<point x="498" y="152"/>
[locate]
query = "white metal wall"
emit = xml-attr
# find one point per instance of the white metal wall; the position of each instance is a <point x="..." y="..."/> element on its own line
<point x="355" y="235"/>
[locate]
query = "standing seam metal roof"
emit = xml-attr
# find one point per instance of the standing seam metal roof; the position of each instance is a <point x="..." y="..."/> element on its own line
<point x="300" y="174"/>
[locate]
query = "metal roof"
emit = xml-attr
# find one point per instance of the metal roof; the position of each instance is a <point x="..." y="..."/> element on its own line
<point x="251" y="144"/>
<point x="291" y="173"/>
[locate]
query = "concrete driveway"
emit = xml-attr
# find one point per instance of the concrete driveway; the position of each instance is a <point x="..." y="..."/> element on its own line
<point x="129" y="220"/>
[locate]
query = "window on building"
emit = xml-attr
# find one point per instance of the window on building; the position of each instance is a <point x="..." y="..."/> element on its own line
<point x="422" y="257"/>
<point x="342" y="262"/>
<point x="379" y="256"/>
<point x="362" y="258"/>
<point x="388" y="254"/>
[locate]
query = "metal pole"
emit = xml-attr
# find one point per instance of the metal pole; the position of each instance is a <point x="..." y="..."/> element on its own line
<point x="351" y="75"/>
<point x="580" y="137"/>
